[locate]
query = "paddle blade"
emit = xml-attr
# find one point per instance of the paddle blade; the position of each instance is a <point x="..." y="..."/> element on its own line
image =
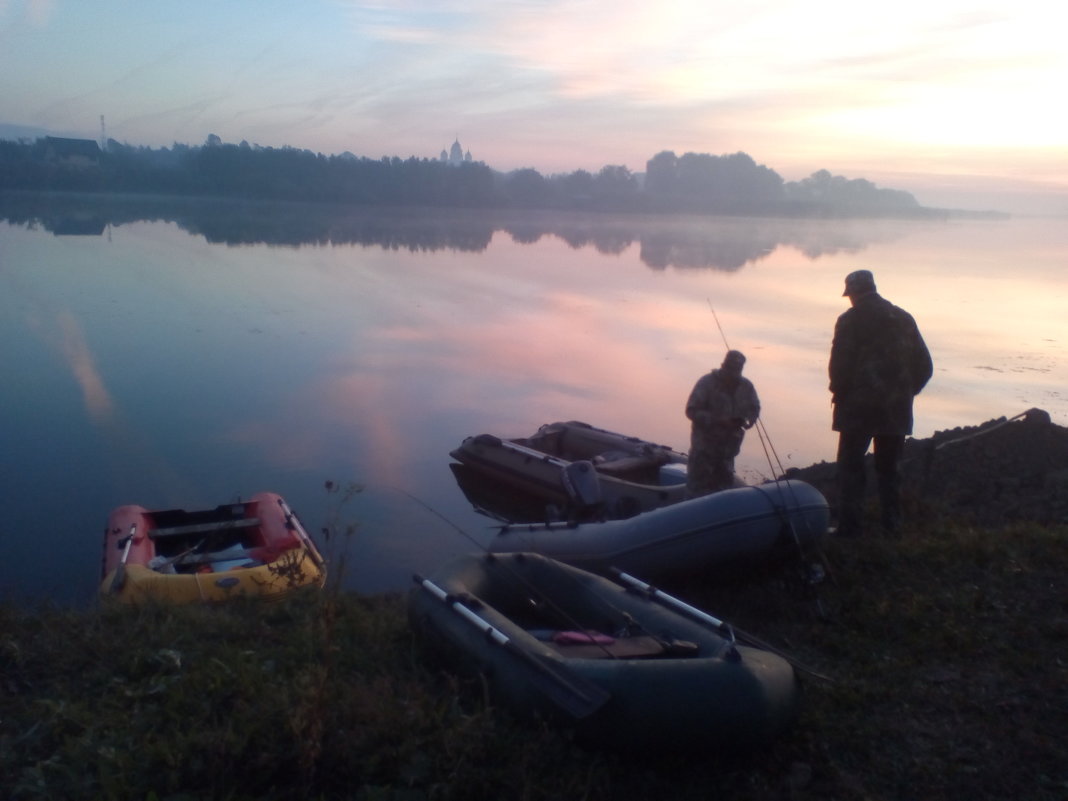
<point x="574" y="694"/>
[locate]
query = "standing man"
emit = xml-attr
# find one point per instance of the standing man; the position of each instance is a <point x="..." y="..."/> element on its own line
<point x="721" y="407"/>
<point x="879" y="363"/>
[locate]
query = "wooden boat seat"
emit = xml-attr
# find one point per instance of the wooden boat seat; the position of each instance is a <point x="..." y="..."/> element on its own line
<point x="640" y="647"/>
<point x="617" y="463"/>
<point x="203" y="528"/>
<point x="230" y="555"/>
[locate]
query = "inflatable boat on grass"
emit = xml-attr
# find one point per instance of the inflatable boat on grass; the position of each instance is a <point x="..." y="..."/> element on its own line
<point x="626" y="666"/>
<point x="254" y="549"/>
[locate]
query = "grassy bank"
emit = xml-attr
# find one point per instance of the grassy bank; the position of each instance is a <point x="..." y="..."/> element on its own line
<point x="948" y="653"/>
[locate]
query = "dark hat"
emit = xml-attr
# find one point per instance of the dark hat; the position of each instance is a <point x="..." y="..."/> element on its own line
<point x="858" y="282"/>
<point x="734" y="358"/>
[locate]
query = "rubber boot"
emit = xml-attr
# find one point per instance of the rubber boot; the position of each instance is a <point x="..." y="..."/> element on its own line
<point x="851" y="503"/>
<point x="890" y="506"/>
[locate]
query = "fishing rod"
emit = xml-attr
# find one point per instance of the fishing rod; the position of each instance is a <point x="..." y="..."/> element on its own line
<point x="720" y="327"/>
<point x="762" y="431"/>
<point x="811" y="577"/>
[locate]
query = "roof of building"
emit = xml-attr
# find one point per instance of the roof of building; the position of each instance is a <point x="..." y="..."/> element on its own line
<point x="73" y="147"/>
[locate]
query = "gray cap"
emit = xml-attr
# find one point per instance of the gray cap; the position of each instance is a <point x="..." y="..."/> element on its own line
<point x="858" y="282"/>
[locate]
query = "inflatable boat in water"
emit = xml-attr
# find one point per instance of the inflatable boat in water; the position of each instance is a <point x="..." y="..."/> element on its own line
<point x="256" y="548"/>
<point x="581" y="470"/>
<point x="746" y="524"/>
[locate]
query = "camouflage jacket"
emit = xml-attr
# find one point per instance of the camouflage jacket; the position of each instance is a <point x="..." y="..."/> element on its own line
<point x="712" y="404"/>
<point x="879" y="362"/>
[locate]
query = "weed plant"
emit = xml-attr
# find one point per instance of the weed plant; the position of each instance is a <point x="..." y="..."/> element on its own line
<point x="946" y="651"/>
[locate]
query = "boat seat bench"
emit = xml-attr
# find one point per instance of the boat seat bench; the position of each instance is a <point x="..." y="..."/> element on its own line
<point x="218" y="556"/>
<point x="621" y="648"/>
<point x="203" y="528"/>
<point x="627" y="464"/>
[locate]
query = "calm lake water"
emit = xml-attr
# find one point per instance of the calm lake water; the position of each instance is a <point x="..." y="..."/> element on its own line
<point x="186" y="356"/>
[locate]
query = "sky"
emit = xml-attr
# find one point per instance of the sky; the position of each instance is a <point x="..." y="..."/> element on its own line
<point x="958" y="101"/>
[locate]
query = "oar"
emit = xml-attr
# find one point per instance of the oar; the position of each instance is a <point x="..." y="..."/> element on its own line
<point x="722" y="627"/>
<point x="576" y="695"/>
<point x="118" y="581"/>
<point x="309" y="547"/>
<point x="180" y="558"/>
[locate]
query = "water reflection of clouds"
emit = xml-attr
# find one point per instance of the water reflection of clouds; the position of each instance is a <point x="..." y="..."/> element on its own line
<point x="562" y="354"/>
<point x="516" y="334"/>
<point x="566" y="350"/>
<point x="521" y="334"/>
<point x="64" y="333"/>
<point x="131" y="455"/>
<point x="383" y="411"/>
<point x="98" y="401"/>
<point x="588" y="340"/>
<point x="374" y="363"/>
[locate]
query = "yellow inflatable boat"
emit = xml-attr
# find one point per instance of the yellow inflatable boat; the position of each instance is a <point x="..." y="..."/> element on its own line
<point x="257" y="548"/>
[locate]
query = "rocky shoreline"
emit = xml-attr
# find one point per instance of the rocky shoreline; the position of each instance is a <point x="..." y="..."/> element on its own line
<point x="1003" y="471"/>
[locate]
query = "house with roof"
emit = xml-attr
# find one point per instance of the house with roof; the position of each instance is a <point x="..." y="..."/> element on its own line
<point x="77" y="153"/>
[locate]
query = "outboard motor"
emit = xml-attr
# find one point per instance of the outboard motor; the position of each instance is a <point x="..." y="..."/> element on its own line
<point x="581" y="483"/>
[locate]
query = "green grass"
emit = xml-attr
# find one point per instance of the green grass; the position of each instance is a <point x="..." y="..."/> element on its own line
<point x="948" y="652"/>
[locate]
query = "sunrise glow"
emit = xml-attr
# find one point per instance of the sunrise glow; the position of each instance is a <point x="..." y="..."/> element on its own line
<point x="955" y="88"/>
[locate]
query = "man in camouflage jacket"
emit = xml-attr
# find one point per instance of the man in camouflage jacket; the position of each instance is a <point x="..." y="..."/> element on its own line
<point x="879" y="363"/>
<point x="721" y="407"/>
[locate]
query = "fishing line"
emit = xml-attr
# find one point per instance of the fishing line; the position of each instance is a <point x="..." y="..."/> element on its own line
<point x="492" y="558"/>
<point x="720" y="327"/>
<point x="629" y="622"/>
<point x="779" y="477"/>
<point x="626" y="617"/>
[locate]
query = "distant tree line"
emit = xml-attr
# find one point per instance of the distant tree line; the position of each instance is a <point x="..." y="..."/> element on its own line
<point x="691" y="183"/>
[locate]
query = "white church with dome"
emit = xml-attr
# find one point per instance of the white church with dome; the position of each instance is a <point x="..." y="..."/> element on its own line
<point x="455" y="156"/>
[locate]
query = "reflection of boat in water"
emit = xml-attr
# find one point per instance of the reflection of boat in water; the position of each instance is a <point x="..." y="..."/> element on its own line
<point x="745" y="525"/>
<point x="501" y="501"/>
<point x="630" y="668"/>
<point x="256" y="549"/>
<point x="581" y="470"/>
